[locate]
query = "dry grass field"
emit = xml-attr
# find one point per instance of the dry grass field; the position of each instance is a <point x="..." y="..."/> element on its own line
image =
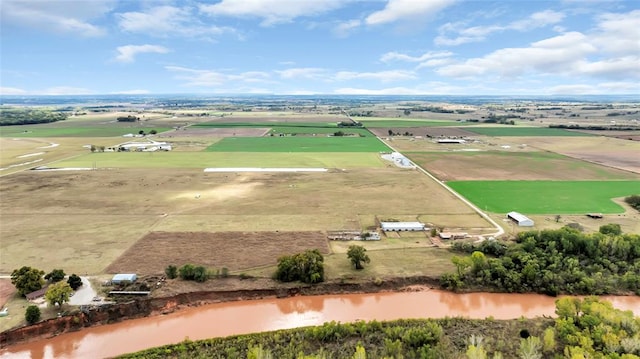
<point x="83" y="221"/>
<point x="233" y="250"/>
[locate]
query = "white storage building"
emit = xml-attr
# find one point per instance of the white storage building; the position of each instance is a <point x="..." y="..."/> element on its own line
<point x="401" y="226"/>
<point x="521" y="219"/>
<point x="121" y="278"/>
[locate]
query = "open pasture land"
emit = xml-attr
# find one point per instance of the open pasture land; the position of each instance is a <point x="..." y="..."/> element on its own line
<point x="202" y="160"/>
<point x="524" y="131"/>
<point x="43" y="132"/>
<point x="278" y="116"/>
<point x="379" y="122"/>
<point x="424" y="131"/>
<point x="299" y="144"/>
<point x="271" y="123"/>
<point x="607" y="151"/>
<point x="215" y="132"/>
<point x="233" y="250"/>
<point x="83" y="221"/>
<point x="547" y="197"/>
<point x="323" y="131"/>
<point x="512" y="165"/>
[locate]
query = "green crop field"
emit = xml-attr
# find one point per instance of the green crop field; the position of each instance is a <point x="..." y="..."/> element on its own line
<point x="320" y="130"/>
<point x="222" y="159"/>
<point x="524" y="131"/>
<point x="546" y="197"/>
<point x="390" y="122"/>
<point x="38" y="131"/>
<point x="280" y="123"/>
<point x="298" y="144"/>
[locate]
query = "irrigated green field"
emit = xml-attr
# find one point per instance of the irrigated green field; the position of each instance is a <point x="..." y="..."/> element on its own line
<point x="290" y="130"/>
<point x="546" y="197"/>
<point x="272" y="123"/>
<point x="391" y="122"/>
<point x="299" y="144"/>
<point x="222" y="159"/>
<point x="524" y="131"/>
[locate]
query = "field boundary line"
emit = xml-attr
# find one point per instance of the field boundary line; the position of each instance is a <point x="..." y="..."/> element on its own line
<point x="500" y="230"/>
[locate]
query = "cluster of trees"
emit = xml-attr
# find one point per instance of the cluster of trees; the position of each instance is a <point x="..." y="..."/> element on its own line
<point x="28" y="279"/>
<point x="129" y="118"/>
<point x="552" y="262"/>
<point x="587" y="328"/>
<point x="349" y="124"/>
<point x="406" y="133"/>
<point x="595" y="127"/>
<point x="307" y="267"/>
<point x="633" y="201"/>
<point x="195" y="273"/>
<point x="29" y="116"/>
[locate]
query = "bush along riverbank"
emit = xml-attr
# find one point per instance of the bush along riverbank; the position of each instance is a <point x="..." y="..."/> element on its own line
<point x="587" y="328"/>
<point x="551" y="262"/>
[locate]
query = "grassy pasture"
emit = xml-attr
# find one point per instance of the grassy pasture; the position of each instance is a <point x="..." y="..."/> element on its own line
<point x="403" y="122"/>
<point x="272" y="123"/>
<point x="320" y="130"/>
<point x="512" y="165"/>
<point x="82" y="221"/>
<point x="298" y="144"/>
<point x="44" y="132"/>
<point x="546" y="197"/>
<point x="201" y="160"/>
<point x="524" y="131"/>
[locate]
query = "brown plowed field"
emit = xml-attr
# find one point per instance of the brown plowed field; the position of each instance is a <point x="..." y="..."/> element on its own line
<point x="234" y="250"/>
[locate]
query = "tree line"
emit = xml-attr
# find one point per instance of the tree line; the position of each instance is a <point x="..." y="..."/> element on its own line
<point x="552" y="262"/>
<point x="29" y="116"/>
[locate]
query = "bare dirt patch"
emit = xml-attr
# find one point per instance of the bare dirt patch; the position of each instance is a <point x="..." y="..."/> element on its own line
<point x="7" y="290"/>
<point x="234" y="250"/>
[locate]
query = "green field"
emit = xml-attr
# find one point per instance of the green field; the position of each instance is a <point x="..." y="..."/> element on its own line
<point x="546" y="197"/>
<point x="524" y="131"/>
<point x="280" y="123"/>
<point x="390" y="122"/>
<point x="39" y="131"/>
<point x="320" y="130"/>
<point x="298" y="144"/>
<point x="222" y="159"/>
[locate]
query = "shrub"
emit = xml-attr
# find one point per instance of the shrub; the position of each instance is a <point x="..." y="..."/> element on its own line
<point x="32" y="315"/>
<point x="171" y="271"/>
<point x="74" y="281"/>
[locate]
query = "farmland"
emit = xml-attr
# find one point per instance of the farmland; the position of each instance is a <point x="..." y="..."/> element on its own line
<point x="540" y="197"/>
<point x="525" y="131"/>
<point x="299" y="144"/>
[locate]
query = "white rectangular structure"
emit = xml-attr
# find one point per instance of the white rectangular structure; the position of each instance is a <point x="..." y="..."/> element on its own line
<point x="124" y="278"/>
<point x="401" y="226"/>
<point x="521" y="219"/>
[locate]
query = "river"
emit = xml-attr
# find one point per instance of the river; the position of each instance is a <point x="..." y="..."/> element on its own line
<point x="223" y="319"/>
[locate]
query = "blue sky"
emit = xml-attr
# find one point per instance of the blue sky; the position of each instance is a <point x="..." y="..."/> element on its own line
<point x="320" y="47"/>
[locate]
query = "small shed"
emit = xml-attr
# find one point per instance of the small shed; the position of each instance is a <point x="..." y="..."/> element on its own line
<point x="401" y="226"/>
<point x="36" y="294"/>
<point x="122" y="278"/>
<point x="521" y="219"/>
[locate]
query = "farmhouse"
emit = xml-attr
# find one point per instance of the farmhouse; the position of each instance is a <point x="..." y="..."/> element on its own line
<point x="122" y="278"/>
<point x="144" y="146"/>
<point x="521" y="219"/>
<point x="37" y="294"/>
<point x="401" y="226"/>
<point x="452" y="235"/>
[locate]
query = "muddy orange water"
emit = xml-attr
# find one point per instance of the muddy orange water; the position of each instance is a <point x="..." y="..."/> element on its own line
<point x="223" y="319"/>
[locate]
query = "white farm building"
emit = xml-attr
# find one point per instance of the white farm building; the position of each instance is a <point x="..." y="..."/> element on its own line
<point x="401" y="226"/>
<point x="122" y="278"/>
<point x="521" y="219"/>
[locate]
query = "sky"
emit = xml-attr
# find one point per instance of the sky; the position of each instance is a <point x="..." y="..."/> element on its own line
<point x="373" y="47"/>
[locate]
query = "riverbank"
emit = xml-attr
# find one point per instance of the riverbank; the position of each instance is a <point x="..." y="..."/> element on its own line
<point x="176" y="294"/>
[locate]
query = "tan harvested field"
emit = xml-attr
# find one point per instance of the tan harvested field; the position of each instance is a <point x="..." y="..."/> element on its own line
<point x="83" y="221"/>
<point x="477" y="143"/>
<point x="188" y="132"/>
<point x="503" y="165"/>
<point x="612" y="152"/>
<point x="278" y="116"/>
<point x="425" y="131"/>
<point x="233" y="250"/>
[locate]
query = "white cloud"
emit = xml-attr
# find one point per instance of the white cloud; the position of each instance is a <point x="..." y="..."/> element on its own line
<point x="56" y="15"/>
<point x="619" y="33"/>
<point x="302" y="72"/>
<point x="131" y="92"/>
<point x="344" y="28"/>
<point x="65" y="90"/>
<point x="169" y="21"/>
<point x="128" y="53"/>
<point x="385" y="91"/>
<point x="479" y="33"/>
<point x="271" y="11"/>
<point x="383" y="76"/>
<point x="211" y="78"/>
<point x="396" y="56"/>
<point x="402" y="9"/>
<point x="12" y="91"/>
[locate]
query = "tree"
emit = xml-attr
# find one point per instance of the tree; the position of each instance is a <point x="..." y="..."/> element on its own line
<point x="58" y="293"/>
<point x="611" y="228"/>
<point x="27" y="279"/>
<point x="32" y="315"/>
<point x="171" y="271"/>
<point x="74" y="281"/>
<point x="357" y="255"/>
<point x="55" y="275"/>
<point x="633" y="201"/>
<point x="153" y="132"/>
<point x="307" y="267"/>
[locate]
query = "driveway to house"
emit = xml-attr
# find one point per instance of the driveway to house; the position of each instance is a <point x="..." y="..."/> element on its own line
<point x="84" y="294"/>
